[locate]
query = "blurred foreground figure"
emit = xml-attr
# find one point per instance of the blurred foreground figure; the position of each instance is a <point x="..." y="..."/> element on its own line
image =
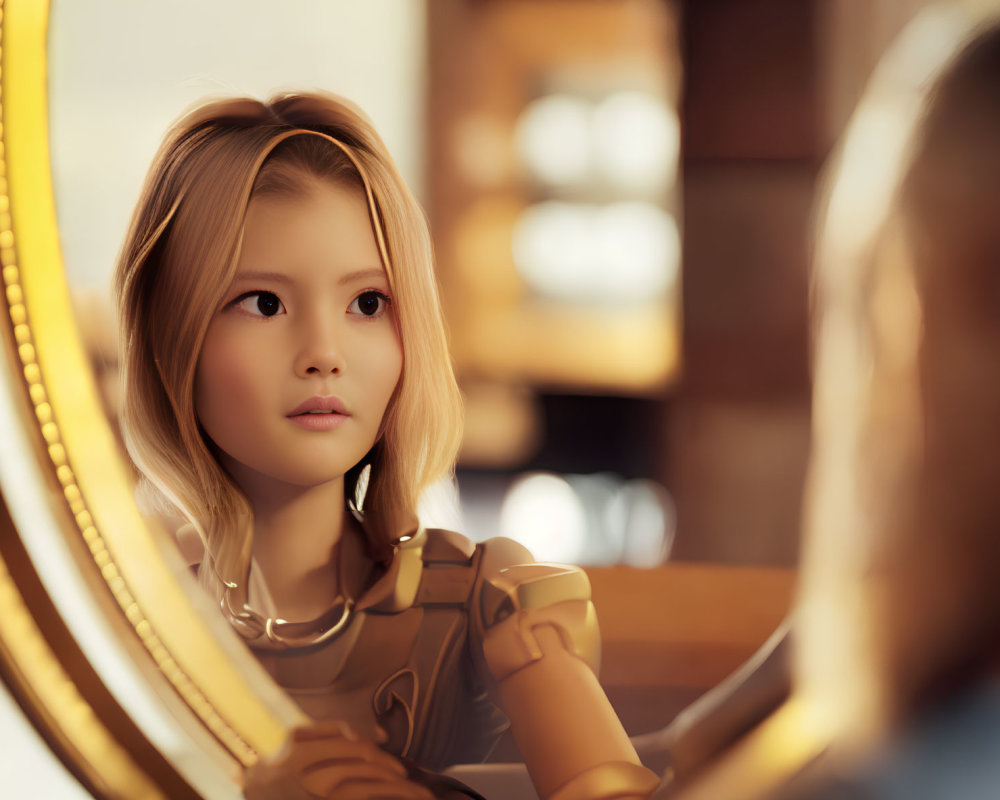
<point x="900" y="610"/>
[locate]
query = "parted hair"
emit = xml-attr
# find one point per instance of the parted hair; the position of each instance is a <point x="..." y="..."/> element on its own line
<point x="178" y="260"/>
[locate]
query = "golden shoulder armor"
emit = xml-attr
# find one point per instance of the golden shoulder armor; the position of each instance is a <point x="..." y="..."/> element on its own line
<point x="518" y="600"/>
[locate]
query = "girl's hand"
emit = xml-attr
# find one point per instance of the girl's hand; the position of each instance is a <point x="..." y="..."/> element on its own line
<point x="328" y="760"/>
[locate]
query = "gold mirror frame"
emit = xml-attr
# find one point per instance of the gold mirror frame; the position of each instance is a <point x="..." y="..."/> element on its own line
<point x="198" y="670"/>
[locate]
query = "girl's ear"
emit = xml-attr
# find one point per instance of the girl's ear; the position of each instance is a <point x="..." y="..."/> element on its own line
<point x="190" y="544"/>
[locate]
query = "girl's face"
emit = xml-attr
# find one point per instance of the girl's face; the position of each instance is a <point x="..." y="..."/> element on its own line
<point x="299" y="363"/>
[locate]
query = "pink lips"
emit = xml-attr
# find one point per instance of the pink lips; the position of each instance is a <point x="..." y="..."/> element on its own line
<point x="319" y="413"/>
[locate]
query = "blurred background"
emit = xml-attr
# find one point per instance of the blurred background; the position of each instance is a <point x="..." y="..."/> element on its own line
<point x="620" y="193"/>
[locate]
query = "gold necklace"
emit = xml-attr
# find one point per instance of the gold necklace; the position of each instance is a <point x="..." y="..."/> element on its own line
<point x="252" y="625"/>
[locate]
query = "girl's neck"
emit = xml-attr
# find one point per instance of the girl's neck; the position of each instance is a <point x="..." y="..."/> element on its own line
<point x="296" y="536"/>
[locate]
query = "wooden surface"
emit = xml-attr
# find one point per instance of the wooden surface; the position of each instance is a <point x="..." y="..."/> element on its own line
<point x="673" y="632"/>
<point x="685" y="624"/>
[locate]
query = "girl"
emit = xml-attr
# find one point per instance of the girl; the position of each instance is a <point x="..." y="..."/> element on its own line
<point x="288" y="391"/>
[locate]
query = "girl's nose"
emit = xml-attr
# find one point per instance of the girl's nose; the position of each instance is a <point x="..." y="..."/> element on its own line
<point x="320" y="351"/>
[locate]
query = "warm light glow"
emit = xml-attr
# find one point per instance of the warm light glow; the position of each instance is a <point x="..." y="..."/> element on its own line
<point x="601" y="254"/>
<point x="636" y="140"/>
<point x="763" y="761"/>
<point x="874" y="149"/>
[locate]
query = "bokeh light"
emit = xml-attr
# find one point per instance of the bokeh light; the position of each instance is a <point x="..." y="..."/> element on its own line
<point x="592" y="253"/>
<point x="636" y="142"/>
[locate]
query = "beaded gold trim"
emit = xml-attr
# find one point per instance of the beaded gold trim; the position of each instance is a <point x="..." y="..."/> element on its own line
<point x="30" y="23"/>
<point x="30" y="664"/>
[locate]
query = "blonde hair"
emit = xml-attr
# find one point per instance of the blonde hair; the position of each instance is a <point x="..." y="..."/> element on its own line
<point x="178" y="259"/>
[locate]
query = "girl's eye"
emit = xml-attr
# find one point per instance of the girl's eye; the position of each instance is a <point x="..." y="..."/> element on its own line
<point x="370" y="304"/>
<point x="260" y="304"/>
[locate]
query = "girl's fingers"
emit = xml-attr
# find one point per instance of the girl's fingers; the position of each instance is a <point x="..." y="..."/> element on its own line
<point x="379" y="790"/>
<point x="324" y="729"/>
<point x="333" y="780"/>
<point x="317" y="747"/>
<point x="328" y="759"/>
<point x="308" y="756"/>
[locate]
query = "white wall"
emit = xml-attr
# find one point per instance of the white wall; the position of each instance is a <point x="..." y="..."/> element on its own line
<point x="122" y="70"/>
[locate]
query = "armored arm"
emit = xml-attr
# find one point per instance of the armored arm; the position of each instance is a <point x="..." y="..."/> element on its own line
<point x="542" y="646"/>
